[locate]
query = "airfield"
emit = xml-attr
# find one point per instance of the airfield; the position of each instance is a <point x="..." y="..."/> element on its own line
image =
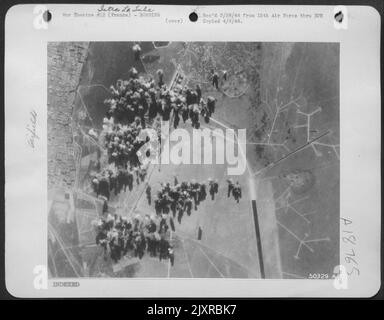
<point x="286" y="97"/>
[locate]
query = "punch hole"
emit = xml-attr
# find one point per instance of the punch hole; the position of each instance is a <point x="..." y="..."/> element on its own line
<point x="47" y="16"/>
<point x="193" y="17"/>
<point x="339" y="17"/>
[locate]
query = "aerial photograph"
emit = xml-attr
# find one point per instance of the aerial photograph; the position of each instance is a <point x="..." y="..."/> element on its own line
<point x="193" y="159"/>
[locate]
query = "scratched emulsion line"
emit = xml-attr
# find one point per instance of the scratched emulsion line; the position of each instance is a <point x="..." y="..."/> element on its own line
<point x="210" y="261"/>
<point x="186" y="256"/>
